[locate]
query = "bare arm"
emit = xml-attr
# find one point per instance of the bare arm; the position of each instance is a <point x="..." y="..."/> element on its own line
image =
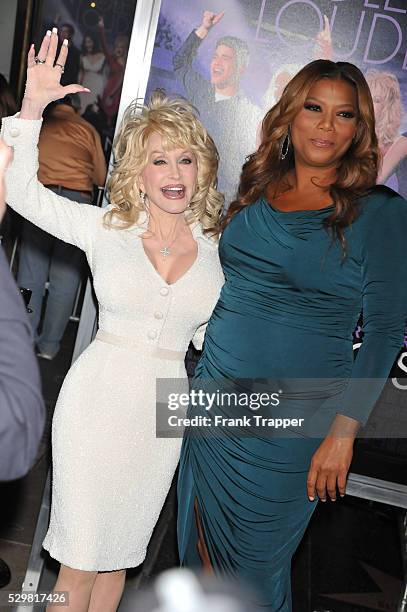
<point x="103" y="41"/>
<point x="323" y="42"/>
<point x="392" y="158"/>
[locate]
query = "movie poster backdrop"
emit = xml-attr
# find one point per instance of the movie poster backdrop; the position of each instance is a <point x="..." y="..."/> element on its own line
<point x="278" y="37"/>
<point x="281" y="36"/>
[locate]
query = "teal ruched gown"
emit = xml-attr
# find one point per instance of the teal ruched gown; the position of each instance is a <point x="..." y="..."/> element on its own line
<point x="286" y="313"/>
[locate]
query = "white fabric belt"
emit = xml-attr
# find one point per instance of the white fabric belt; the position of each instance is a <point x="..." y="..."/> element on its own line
<point x="144" y="349"/>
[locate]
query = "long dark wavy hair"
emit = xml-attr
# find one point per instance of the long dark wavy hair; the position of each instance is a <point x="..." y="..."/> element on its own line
<point x="94" y="39"/>
<point x="357" y="171"/>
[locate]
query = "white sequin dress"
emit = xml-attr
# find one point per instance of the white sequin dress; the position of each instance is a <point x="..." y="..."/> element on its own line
<point x="111" y="473"/>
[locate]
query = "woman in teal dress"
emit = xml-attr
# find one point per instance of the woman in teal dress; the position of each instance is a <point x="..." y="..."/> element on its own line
<point x="307" y="246"/>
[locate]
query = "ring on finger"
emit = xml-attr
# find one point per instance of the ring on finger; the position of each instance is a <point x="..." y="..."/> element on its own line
<point x="37" y="60"/>
<point x="62" y="68"/>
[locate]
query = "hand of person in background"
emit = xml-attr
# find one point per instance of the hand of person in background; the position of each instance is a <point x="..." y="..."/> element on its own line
<point x="323" y="42"/>
<point x="43" y="77"/>
<point x="6" y="156"/>
<point x="209" y="20"/>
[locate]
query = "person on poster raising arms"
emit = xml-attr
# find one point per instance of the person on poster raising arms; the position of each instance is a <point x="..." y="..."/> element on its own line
<point x="386" y="94"/>
<point x="230" y="116"/>
<point x="153" y="256"/>
<point x="309" y="243"/>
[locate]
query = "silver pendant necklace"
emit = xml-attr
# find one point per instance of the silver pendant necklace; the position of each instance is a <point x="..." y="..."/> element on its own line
<point x="166" y="250"/>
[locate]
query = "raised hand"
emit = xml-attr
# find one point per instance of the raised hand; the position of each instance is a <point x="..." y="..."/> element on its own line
<point x="323" y="42"/>
<point x="209" y="20"/>
<point x="43" y="77"/>
<point x="6" y="156"/>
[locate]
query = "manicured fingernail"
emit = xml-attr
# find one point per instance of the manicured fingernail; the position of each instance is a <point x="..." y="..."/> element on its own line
<point x="311" y="498"/>
<point x="323" y="500"/>
<point x="48" y="32"/>
<point x="85" y="89"/>
<point x="65" y="42"/>
<point x="55" y="30"/>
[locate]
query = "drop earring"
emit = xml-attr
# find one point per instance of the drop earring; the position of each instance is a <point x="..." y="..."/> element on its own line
<point x="285" y="146"/>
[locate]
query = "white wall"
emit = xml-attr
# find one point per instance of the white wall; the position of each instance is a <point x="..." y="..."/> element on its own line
<point x="8" y="9"/>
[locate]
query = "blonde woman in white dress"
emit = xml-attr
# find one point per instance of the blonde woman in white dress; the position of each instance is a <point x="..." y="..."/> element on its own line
<point x="157" y="278"/>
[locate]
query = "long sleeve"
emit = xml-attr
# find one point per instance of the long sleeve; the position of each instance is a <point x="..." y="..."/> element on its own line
<point x="70" y="221"/>
<point x="384" y="302"/>
<point x="99" y="163"/>
<point x="21" y="407"/>
<point x="195" y="85"/>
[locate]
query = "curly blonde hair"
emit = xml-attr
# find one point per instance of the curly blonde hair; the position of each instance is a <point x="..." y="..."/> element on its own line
<point x="176" y="121"/>
<point x="389" y="121"/>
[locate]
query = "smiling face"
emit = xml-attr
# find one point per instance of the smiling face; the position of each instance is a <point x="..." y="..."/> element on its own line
<point x="169" y="178"/>
<point x="120" y="48"/>
<point x="324" y="128"/>
<point x="224" y="67"/>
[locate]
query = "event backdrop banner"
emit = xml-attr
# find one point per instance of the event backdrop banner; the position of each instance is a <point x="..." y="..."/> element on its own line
<point x="232" y="59"/>
<point x="234" y="66"/>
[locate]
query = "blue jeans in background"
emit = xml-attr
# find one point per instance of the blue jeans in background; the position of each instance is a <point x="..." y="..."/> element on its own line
<point x="45" y="258"/>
